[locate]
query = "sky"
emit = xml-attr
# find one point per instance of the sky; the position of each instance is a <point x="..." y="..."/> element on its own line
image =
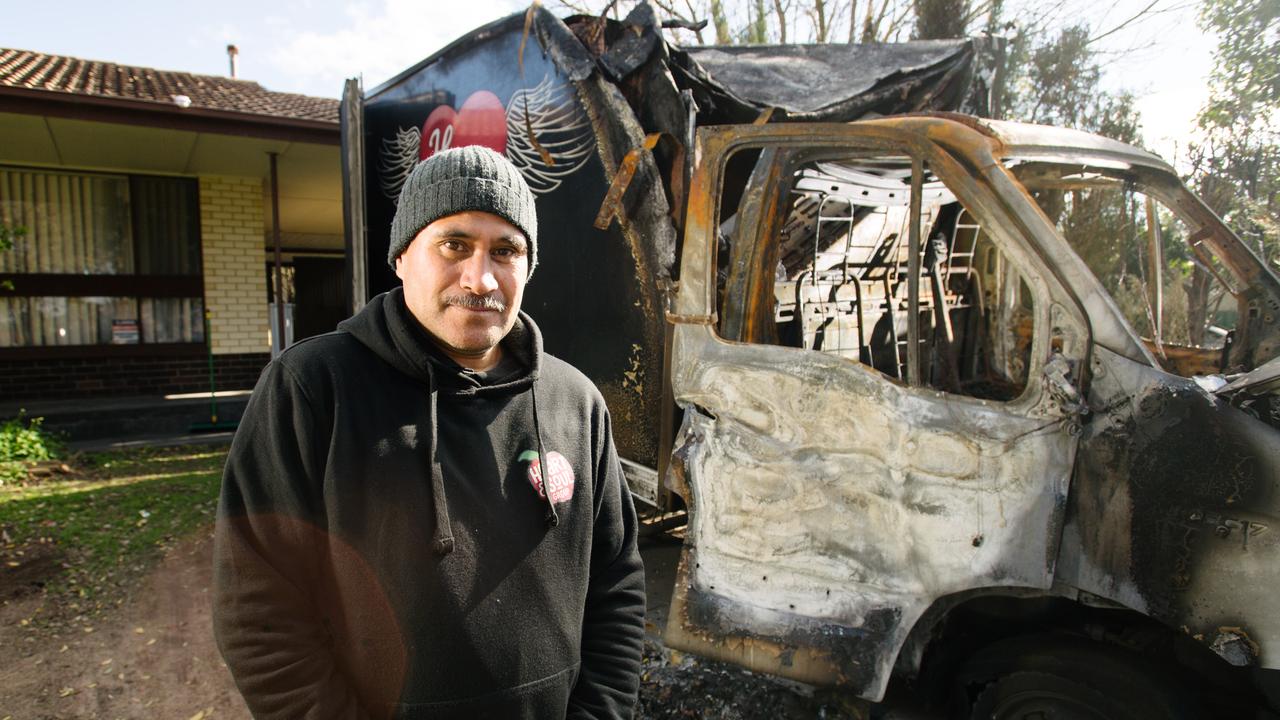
<point x="312" y="46"/>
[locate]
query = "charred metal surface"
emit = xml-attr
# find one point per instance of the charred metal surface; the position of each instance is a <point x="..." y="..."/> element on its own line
<point x="634" y="45"/>
<point x="612" y="206"/>
<point x="823" y="497"/>
<point x="559" y="43"/>
<point x="1173" y="509"/>
<point x="753" y="246"/>
<point x="830" y="508"/>
<point x="643" y="218"/>
<point x="809" y="662"/>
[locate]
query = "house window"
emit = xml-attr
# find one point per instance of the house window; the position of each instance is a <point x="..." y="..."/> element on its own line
<point x="105" y="260"/>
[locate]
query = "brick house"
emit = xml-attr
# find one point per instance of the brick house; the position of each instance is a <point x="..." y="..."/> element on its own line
<point x="147" y="197"/>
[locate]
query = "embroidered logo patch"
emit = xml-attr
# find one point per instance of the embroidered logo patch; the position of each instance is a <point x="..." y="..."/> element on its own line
<point x="559" y="475"/>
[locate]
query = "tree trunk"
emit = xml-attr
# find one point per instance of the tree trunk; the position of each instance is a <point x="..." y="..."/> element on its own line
<point x="820" y="19"/>
<point x="1197" y="289"/>
<point x="721" y="22"/>
<point x="759" y="24"/>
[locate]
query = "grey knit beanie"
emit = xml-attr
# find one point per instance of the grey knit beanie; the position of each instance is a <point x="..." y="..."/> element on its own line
<point x="465" y="178"/>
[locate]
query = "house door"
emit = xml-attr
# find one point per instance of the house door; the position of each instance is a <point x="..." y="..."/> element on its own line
<point x="319" y="298"/>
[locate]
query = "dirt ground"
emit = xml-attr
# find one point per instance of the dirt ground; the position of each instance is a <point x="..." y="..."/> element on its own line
<point x="154" y="656"/>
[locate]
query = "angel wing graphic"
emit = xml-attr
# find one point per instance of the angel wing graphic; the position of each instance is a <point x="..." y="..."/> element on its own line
<point x="548" y="137"/>
<point x="399" y="156"/>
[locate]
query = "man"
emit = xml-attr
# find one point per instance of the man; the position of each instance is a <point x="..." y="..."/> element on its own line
<point x="423" y="514"/>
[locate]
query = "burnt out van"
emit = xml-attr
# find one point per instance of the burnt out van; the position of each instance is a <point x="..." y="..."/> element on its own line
<point x="987" y="407"/>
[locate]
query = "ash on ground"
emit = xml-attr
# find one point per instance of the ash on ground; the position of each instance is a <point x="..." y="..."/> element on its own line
<point x="674" y="685"/>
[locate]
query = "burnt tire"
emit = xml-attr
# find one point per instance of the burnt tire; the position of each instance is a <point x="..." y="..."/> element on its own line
<point x="1069" y="679"/>
<point x="1041" y="696"/>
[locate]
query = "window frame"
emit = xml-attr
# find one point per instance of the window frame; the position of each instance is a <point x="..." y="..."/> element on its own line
<point x="135" y="286"/>
<point x="971" y="190"/>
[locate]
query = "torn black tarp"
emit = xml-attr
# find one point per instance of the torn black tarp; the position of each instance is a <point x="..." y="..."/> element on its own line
<point x="840" y="83"/>
<point x="802" y="83"/>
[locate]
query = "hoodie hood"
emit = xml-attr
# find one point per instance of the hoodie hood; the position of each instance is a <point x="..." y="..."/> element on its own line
<point x="387" y="327"/>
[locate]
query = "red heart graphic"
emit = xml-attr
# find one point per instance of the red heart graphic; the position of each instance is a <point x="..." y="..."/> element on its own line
<point x="437" y="132"/>
<point x="481" y="121"/>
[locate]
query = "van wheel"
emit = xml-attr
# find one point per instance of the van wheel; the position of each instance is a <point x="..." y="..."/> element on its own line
<point x="1041" y="696"/>
<point x="1068" y="679"/>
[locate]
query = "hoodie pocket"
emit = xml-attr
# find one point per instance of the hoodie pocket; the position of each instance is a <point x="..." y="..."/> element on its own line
<point x="540" y="699"/>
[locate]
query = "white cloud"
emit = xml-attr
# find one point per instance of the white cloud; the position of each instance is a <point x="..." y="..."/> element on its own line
<point x="379" y="40"/>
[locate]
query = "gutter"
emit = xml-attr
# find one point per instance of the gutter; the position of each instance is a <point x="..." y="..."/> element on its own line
<point x="151" y="113"/>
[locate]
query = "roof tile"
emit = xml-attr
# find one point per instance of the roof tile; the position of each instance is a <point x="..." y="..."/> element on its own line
<point x="59" y="73"/>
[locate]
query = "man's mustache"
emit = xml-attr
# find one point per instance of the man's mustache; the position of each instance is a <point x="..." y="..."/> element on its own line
<point x="477" y="302"/>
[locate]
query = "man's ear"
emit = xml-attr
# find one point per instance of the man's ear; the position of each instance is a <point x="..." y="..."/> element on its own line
<point x="400" y="266"/>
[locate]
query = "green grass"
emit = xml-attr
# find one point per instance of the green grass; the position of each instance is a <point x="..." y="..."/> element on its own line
<point x="111" y="519"/>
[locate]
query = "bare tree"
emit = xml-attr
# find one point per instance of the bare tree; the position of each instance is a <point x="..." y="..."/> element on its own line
<point x="780" y="14"/>
<point x="1032" y="23"/>
<point x="819" y="13"/>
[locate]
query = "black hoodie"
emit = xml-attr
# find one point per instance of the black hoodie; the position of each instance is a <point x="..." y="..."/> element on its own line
<point x="385" y="547"/>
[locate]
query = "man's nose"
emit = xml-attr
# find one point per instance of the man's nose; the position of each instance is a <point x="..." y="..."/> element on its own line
<point x="477" y="274"/>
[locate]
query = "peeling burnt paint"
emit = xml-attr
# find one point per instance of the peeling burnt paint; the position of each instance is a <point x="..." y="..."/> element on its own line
<point x="1173" y="504"/>
<point x="651" y="240"/>
<point x="830" y="508"/>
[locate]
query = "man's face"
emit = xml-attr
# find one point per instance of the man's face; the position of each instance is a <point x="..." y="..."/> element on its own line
<point x="464" y="277"/>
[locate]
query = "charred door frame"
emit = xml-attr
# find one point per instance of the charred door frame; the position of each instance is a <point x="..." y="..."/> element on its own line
<point x="825" y="652"/>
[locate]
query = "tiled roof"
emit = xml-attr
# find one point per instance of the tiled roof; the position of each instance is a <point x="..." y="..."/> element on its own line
<point x="58" y="73"/>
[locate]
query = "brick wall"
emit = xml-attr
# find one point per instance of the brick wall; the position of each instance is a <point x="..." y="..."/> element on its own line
<point x="66" y="378"/>
<point x="235" y="286"/>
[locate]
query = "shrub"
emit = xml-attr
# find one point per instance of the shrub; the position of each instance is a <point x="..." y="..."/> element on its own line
<point x="23" y="441"/>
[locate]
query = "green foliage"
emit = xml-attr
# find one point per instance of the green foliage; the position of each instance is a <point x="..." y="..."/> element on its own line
<point x="1236" y="165"/>
<point x="721" y="23"/>
<point x="941" y="19"/>
<point x="8" y="234"/>
<point x="1246" y="74"/>
<point x="1055" y="80"/>
<point x="23" y="441"/>
<point x="1109" y="228"/>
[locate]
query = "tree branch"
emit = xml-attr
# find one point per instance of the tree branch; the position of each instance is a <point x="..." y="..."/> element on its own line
<point x="1122" y="25"/>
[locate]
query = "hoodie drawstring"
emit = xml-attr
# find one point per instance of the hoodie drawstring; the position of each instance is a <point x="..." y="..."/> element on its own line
<point x="552" y="517"/>
<point x="444" y="534"/>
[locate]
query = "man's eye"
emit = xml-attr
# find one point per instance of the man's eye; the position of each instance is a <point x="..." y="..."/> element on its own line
<point x="504" y="252"/>
<point x="451" y="245"/>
